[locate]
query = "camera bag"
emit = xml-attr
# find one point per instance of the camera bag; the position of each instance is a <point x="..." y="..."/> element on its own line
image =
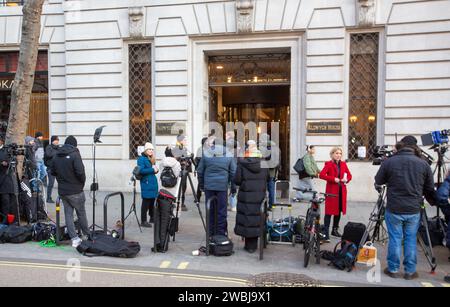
<point x="105" y="245"/>
<point x="354" y="232"/>
<point x="221" y="246"/>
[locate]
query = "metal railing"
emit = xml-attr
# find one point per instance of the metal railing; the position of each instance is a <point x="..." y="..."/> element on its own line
<point x="11" y="2"/>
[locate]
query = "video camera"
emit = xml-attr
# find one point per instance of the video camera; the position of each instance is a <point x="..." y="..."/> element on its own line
<point x="16" y="150"/>
<point x="436" y="138"/>
<point x="381" y="154"/>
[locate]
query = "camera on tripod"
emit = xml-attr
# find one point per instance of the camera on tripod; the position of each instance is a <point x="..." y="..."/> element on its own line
<point x="16" y="150"/>
<point x="436" y="138"/>
<point x="381" y="154"/>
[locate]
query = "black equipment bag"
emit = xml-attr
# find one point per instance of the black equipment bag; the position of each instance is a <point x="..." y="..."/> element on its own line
<point x="354" y="232"/>
<point x="221" y="246"/>
<point x="15" y="234"/>
<point x="105" y="245"/>
<point x="437" y="228"/>
<point x="164" y="226"/>
<point x="43" y="231"/>
<point x="168" y="178"/>
<point x="25" y="201"/>
<point x="345" y="257"/>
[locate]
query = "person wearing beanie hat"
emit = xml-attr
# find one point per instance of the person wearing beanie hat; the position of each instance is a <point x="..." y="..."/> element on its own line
<point x="8" y="203"/>
<point x="50" y="153"/>
<point x="149" y="183"/>
<point x="409" y="140"/>
<point x="408" y="179"/>
<point x="72" y="141"/>
<point x="68" y="168"/>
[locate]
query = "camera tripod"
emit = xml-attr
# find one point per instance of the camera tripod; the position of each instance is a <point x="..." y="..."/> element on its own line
<point x="133" y="205"/>
<point x="186" y="176"/>
<point x="12" y="171"/>
<point x="377" y="232"/>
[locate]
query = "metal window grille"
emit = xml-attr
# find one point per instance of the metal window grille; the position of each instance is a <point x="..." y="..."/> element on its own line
<point x="363" y="104"/>
<point x="11" y="2"/>
<point x="140" y="106"/>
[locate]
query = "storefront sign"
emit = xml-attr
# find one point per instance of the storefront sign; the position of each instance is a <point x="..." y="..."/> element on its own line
<point x="169" y="128"/>
<point x="324" y="128"/>
<point x="6" y="84"/>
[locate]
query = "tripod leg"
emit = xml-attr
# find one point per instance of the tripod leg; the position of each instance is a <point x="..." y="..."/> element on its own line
<point x="178" y="204"/>
<point x="197" y="203"/>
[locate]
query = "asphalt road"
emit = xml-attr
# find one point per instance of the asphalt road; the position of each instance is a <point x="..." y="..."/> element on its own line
<point x="48" y="274"/>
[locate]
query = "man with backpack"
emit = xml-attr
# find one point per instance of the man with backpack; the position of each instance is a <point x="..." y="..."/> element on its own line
<point x="68" y="168"/>
<point x="50" y="153"/>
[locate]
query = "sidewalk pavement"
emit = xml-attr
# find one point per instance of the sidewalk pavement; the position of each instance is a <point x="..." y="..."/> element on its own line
<point x="278" y="258"/>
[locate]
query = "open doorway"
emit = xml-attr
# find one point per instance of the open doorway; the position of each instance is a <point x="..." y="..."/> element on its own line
<point x="253" y="88"/>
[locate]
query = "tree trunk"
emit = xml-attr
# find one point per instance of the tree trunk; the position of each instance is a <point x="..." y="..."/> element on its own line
<point x="24" y="80"/>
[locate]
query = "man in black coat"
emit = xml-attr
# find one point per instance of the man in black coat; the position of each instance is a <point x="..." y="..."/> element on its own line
<point x="252" y="180"/>
<point x="50" y="153"/>
<point x="68" y="168"/>
<point x="408" y="179"/>
<point x="8" y="203"/>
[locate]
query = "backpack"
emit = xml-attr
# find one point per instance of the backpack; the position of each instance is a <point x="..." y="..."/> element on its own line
<point x="15" y="234"/>
<point x="345" y="257"/>
<point x="221" y="246"/>
<point x="43" y="231"/>
<point x="104" y="245"/>
<point x="168" y="178"/>
<point x="437" y="228"/>
<point x="299" y="167"/>
<point x="354" y="233"/>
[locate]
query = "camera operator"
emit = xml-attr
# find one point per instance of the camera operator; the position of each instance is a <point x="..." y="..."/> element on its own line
<point x="30" y="165"/>
<point x="8" y="203"/>
<point x="443" y="197"/>
<point x="169" y="162"/>
<point x="50" y="153"/>
<point x="408" y="178"/>
<point x="68" y="168"/>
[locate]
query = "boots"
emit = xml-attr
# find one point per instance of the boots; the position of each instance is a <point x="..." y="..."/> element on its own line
<point x="325" y="234"/>
<point x="335" y="232"/>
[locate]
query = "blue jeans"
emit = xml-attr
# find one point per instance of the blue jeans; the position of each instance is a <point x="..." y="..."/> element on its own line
<point x="218" y="224"/>
<point x="41" y="169"/>
<point x="402" y="231"/>
<point x="271" y="191"/>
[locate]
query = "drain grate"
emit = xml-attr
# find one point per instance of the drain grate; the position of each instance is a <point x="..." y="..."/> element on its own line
<point x="282" y="280"/>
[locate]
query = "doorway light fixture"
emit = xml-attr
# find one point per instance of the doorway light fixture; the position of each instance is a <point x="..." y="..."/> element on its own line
<point x="353" y="119"/>
<point x="219" y="67"/>
<point x="372" y="118"/>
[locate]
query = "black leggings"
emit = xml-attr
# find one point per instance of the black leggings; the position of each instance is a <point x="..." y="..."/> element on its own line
<point x="336" y="221"/>
<point x="148" y="205"/>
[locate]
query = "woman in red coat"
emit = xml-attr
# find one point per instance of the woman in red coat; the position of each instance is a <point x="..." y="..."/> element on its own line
<point x="337" y="175"/>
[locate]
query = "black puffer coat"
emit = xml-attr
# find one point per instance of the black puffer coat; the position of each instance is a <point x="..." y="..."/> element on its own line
<point x="252" y="180"/>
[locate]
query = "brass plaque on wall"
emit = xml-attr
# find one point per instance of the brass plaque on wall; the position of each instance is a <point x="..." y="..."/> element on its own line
<point x="324" y="128"/>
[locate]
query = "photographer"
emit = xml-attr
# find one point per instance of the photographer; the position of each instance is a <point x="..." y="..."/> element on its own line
<point x="311" y="171"/>
<point x="215" y="173"/>
<point x="408" y="178"/>
<point x="443" y="197"/>
<point x="7" y="198"/>
<point x="172" y="167"/>
<point x="68" y="168"/>
<point x="31" y="166"/>
<point x="50" y="153"/>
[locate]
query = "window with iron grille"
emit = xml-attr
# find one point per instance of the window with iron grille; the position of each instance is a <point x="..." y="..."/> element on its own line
<point x="363" y="93"/>
<point x="140" y="96"/>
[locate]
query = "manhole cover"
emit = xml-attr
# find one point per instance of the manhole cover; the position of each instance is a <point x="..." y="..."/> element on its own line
<point x="282" y="280"/>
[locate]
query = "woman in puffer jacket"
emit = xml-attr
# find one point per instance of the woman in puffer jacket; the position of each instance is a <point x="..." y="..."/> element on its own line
<point x="252" y="181"/>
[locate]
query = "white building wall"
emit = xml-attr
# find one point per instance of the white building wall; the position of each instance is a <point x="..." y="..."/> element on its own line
<point x="88" y="41"/>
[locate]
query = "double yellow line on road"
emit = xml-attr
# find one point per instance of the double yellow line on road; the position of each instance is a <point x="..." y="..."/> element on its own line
<point x="241" y="282"/>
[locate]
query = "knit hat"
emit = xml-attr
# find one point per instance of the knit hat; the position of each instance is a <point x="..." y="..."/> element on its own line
<point x="28" y="139"/>
<point x="71" y="140"/>
<point x="181" y="138"/>
<point x="409" y="140"/>
<point x="38" y="134"/>
<point x="54" y="138"/>
<point x="148" y="146"/>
